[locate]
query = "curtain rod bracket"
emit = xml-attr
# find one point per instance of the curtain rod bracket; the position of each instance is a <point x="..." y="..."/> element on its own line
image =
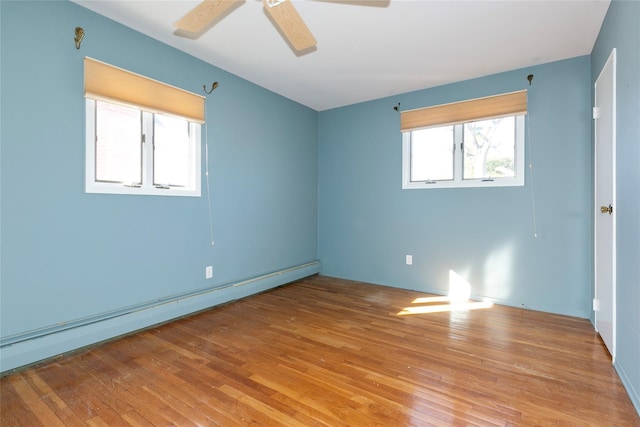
<point x="397" y="107"/>
<point x="79" y="36"/>
<point x="214" y="85"/>
<point x="530" y="78"/>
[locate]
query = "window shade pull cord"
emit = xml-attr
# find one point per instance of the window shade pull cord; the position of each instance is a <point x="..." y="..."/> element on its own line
<point x="206" y="174"/>
<point x="529" y="143"/>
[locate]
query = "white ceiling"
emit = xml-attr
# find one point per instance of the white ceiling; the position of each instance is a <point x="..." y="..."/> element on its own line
<point x="367" y="52"/>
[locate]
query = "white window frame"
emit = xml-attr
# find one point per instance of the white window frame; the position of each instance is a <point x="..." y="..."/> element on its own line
<point x="147" y="187"/>
<point x="458" y="153"/>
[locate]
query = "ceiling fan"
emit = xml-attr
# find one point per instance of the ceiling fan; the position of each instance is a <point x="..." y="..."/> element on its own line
<point x="282" y="12"/>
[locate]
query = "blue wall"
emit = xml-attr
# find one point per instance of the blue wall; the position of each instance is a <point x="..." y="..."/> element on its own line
<point x="368" y="223"/>
<point x="621" y="30"/>
<point x="279" y="173"/>
<point x="68" y="256"/>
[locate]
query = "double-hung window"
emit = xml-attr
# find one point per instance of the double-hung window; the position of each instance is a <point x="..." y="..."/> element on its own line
<point x="142" y="136"/>
<point x="476" y="143"/>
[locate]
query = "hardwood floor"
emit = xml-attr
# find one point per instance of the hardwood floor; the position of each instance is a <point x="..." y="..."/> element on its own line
<point x="330" y="352"/>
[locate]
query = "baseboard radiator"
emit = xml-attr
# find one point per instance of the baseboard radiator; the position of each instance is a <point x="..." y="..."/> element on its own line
<point x="27" y="348"/>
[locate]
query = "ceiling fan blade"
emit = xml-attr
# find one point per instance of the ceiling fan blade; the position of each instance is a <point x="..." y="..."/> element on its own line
<point x="204" y="13"/>
<point x="372" y="3"/>
<point x="290" y="24"/>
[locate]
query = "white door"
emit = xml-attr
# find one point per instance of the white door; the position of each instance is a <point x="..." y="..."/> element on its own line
<point x="604" y="303"/>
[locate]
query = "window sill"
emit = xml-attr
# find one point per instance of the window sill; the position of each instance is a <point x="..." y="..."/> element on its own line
<point x="471" y="183"/>
<point x="139" y="191"/>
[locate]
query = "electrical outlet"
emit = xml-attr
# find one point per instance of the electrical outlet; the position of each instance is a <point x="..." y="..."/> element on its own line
<point x="409" y="259"/>
<point x="208" y="272"/>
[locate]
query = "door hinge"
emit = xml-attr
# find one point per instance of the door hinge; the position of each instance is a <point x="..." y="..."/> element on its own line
<point x="596" y="113"/>
<point x="596" y="304"/>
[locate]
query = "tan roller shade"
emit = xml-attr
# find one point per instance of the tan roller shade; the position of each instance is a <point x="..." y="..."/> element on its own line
<point x="508" y="104"/>
<point x="109" y="83"/>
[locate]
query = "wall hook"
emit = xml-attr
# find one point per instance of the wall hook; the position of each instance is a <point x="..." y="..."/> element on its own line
<point x="530" y="78"/>
<point x="397" y="107"/>
<point x="79" y="36"/>
<point x="213" y="87"/>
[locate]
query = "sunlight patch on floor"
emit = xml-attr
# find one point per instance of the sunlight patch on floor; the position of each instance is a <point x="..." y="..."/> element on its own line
<point x="454" y="306"/>
<point x="457" y="300"/>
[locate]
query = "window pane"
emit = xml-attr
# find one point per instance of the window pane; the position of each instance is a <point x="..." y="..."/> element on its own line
<point x="118" y="144"/>
<point x="432" y="154"/>
<point x="172" y="155"/>
<point x="489" y="149"/>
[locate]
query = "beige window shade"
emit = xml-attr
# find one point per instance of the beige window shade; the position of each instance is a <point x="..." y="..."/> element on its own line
<point x="508" y="104"/>
<point x="109" y="83"/>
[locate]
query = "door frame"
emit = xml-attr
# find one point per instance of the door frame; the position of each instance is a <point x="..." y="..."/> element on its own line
<point x="611" y="61"/>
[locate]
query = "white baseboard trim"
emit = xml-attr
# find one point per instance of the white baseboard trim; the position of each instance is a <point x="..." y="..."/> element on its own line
<point x="32" y="347"/>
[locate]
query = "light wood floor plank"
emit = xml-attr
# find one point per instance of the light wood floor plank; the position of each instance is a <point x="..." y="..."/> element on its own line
<point x="36" y="405"/>
<point x="332" y="352"/>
